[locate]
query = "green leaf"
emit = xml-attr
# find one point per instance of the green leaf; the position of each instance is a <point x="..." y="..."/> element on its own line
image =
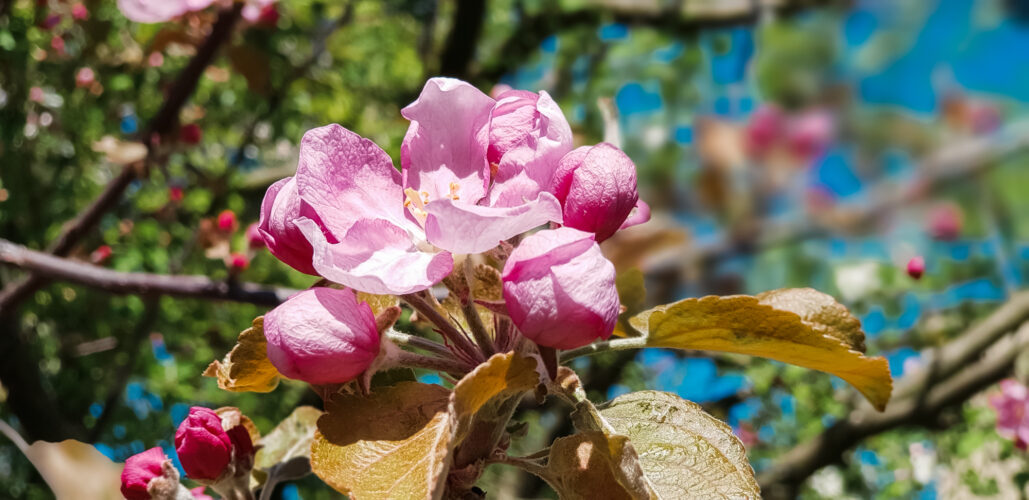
<point x="799" y="326"/>
<point x="290" y="439"/>
<point x="393" y="443"/>
<point x="684" y="452"/>
<point x="246" y="368"/>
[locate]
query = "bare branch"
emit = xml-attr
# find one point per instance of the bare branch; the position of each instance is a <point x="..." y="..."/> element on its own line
<point x="50" y="267"/>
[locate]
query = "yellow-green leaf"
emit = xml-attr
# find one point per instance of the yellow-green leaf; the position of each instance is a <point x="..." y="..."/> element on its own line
<point x="591" y="465"/>
<point x="799" y="326"/>
<point x="684" y="452"/>
<point x="290" y="439"/>
<point x="394" y="443"/>
<point x="246" y="368"/>
<point x="502" y="374"/>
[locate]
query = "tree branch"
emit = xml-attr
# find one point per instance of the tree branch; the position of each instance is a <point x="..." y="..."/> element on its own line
<point x="49" y="267"/>
<point x="917" y="408"/>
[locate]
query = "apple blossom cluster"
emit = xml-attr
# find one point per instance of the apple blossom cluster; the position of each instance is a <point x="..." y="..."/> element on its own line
<point x="159" y="11"/>
<point x="477" y="176"/>
<point x="214" y="448"/>
<point x="1012" y="407"/>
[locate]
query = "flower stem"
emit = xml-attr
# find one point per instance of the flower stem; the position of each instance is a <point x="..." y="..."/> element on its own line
<point x="605" y="346"/>
<point x="446" y="328"/>
<point x="471" y="314"/>
<point x="415" y="360"/>
<point x="418" y="342"/>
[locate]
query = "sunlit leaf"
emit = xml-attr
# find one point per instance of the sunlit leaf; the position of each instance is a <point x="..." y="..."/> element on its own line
<point x="290" y="439"/>
<point x="799" y="326"/>
<point x="501" y="375"/>
<point x="591" y="465"/>
<point x="684" y="452"/>
<point x="394" y="443"/>
<point x="75" y="470"/>
<point x="246" y="368"/>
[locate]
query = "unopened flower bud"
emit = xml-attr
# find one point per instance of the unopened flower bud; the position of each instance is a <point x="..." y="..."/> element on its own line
<point x="916" y="267"/>
<point x="237" y="262"/>
<point x="227" y="221"/>
<point x="204" y="447"/>
<point x="79" y="12"/>
<point x="85" y="77"/>
<point x="101" y="254"/>
<point x="190" y="133"/>
<point x="175" y="194"/>
<point x="560" y="290"/>
<point x="140" y="470"/>
<point x="596" y="186"/>
<point x="322" y="336"/>
<point x="945" y="222"/>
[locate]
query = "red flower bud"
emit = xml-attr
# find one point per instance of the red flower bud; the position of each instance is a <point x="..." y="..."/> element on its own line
<point x="237" y="261"/>
<point x="175" y="193"/>
<point x="79" y="12"/>
<point x="227" y="221"/>
<point x="190" y="133"/>
<point x="100" y="255"/>
<point x="139" y="470"/>
<point x="916" y="267"/>
<point x="203" y="446"/>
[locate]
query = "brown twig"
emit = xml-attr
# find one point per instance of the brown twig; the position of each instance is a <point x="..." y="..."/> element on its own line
<point x="49" y="267"/>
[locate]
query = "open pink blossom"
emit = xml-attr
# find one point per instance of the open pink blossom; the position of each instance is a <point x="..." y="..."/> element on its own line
<point x="139" y="470"/>
<point x="203" y="446"/>
<point x="597" y="188"/>
<point x="809" y="134"/>
<point x="1012" y="407"/>
<point x="322" y="336"/>
<point x="560" y="290"/>
<point x="476" y="169"/>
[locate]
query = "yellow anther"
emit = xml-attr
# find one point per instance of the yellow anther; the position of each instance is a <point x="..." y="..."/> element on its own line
<point x="454" y="188"/>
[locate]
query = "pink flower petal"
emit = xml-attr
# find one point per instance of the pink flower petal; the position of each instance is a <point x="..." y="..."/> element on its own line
<point x="462" y="228"/>
<point x="279" y="210"/>
<point x="376" y="256"/>
<point x="597" y="187"/>
<point x="445" y="146"/>
<point x="345" y="178"/>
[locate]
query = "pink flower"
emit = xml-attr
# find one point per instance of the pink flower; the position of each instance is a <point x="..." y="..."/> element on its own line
<point x="262" y="12"/>
<point x="57" y="43"/>
<point x="227" y="221"/>
<point x="139" y="470"/>
<point x="203" y="446"/>
<point x="597" y="187"/>
<point x="475" y="173"/>
<point x="175" y="193"/>
<point x="85" y="77"/>
<point x="279" y="210"/>
<point x="916" y="267"/>
<point x="1012" y="407"/>
<point x="322" y="336"/>
<point x="254" y="238"/>
<point x="36" y="94"/>
<point x="79" y="12"/>
<point x="159" y="11"/>
<point x="560" y="290"/>
<point x="101" y="254"/>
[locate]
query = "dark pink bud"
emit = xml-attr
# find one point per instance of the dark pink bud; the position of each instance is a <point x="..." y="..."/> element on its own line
<point x="227" y="221"/>
<point x="254" y="238"/>
<point x="100" y="255"/>
<point x="190" y="133"/>
<point x="596" y="186"/>
<point x="79" y="12"/>
<point x="237" y="261"/>
<point x="139" y="470"/>
<point x="175" y="193"/>
<point x="916" y="267"/>
<point x="269" y="16"/>
<point x="57" y="43"/>
<point x="764" y="129"/>
<point x="203" y="446"/>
